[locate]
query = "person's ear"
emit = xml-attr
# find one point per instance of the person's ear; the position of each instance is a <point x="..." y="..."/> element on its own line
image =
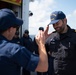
<point x="65" y="20"/>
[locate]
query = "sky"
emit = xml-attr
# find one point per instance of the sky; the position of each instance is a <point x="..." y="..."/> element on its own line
<point x="42" y="10"/>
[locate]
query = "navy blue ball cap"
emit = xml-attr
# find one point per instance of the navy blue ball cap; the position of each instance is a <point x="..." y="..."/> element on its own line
<point x="8" y="19"/>
<point x="56" y="16"/>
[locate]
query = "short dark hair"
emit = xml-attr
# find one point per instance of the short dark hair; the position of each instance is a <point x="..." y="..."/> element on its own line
<point x="26" y="31"/>
<point x="41" y="28"/>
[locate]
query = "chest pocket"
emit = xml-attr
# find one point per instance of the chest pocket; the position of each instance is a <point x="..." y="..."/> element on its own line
<point x="54" y="45"/>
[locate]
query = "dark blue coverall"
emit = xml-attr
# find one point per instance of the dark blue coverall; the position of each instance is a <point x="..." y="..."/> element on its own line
<point x="14" y="56"/>
<point x="63" y="48"/>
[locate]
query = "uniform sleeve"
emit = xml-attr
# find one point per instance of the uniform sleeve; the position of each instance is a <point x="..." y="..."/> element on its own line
<point x="47" y="45"/>
<point x="25" y="58"/>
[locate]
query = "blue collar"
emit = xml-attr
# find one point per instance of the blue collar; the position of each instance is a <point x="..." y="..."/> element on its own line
<point x="3" y="38"/>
